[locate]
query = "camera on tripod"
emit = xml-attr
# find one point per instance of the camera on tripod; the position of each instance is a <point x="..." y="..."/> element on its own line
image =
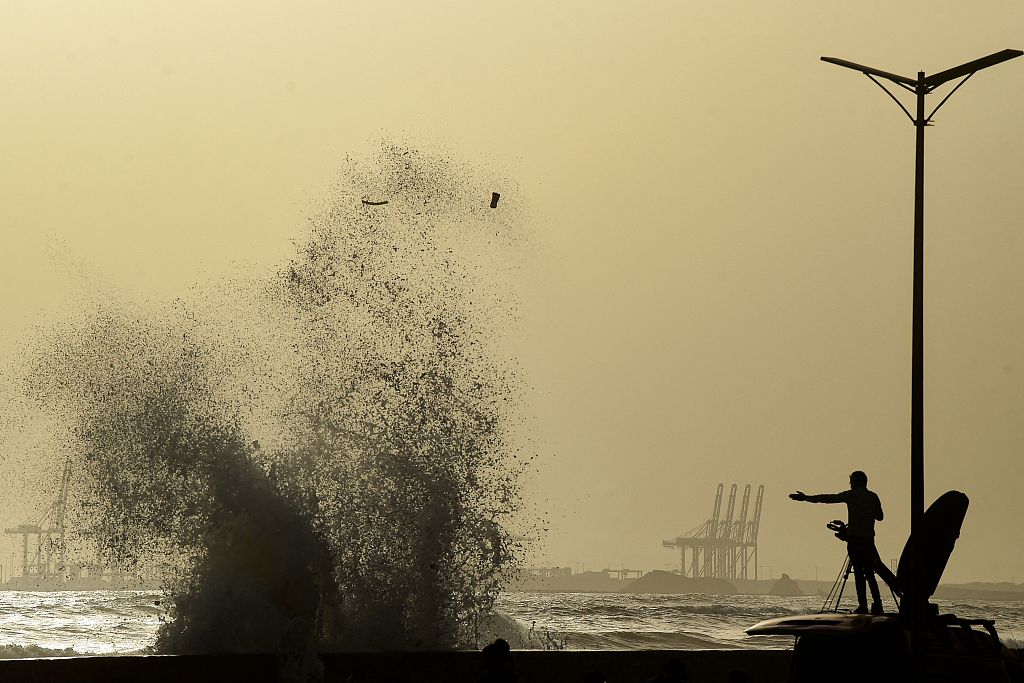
<point x="839" y="527"/>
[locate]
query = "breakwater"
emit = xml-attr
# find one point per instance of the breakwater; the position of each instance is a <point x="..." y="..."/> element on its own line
<point x="412" y="667"/>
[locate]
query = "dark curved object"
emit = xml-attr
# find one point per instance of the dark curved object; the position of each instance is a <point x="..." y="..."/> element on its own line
<point x="369" y="203"/>
<point x="941" y="528"/>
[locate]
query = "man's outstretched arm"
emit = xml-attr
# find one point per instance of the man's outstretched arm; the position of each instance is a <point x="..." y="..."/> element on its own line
<point x="819" y="498"/>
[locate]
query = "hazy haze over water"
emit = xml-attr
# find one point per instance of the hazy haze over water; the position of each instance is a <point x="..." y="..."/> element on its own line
<point x="719" y="287"/>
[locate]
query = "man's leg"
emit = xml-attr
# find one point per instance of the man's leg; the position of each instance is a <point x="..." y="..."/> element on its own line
<point x="862" y="598"/>
<point x="857" y="560"/>
<point x="876" y="599"/>
<point x="886" y="575"/>
<point x="872" y="560"/>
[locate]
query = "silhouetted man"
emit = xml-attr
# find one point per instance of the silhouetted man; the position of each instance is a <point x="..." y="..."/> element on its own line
<point x="862" y="508"/>
<point x="498" y="663"/>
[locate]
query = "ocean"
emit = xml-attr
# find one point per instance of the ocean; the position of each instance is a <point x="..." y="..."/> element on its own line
<point x="68" y="623"/>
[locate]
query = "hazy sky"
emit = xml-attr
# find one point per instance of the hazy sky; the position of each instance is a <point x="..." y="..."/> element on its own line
<point x="718" y="286"/>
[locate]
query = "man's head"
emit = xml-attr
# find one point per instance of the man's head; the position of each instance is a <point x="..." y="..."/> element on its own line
<point x="858" y="480"/>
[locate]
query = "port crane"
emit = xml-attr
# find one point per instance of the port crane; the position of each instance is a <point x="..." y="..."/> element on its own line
<point x="47" y="533"/>
<point x="722" y="547"/>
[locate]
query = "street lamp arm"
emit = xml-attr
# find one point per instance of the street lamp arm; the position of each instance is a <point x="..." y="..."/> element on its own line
<point x="935" y="80"/>
<point x="894" y="98"/>
<point x="939" y="105"/>
<point x="895" y="78"/>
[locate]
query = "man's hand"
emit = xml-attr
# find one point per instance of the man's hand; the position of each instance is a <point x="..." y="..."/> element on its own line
<point x="799" y="495"/>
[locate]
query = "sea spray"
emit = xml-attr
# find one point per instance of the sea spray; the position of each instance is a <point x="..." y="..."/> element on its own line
<point x="406" y="419"/>
<point x="340" y="478"/>
<point x="170" y="478"/>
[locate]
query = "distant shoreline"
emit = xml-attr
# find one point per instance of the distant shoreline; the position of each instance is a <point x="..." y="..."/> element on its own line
<point x="943" y="593"/>
<point x="577" y="583"/>
<point x="668" y="583"/>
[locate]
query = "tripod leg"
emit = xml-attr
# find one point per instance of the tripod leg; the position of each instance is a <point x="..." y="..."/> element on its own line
<point x="847" y="568"/>
<point x="837" y="588"/>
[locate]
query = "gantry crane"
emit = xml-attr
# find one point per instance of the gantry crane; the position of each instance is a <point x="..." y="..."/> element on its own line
<point x="722" y="548"/>
<point x="49" y="535"/>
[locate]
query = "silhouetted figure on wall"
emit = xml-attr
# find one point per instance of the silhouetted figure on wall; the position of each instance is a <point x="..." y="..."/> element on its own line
<point x="674" y="671"/>
<point x="498" y="664"/>
<point x="863" y="508"/>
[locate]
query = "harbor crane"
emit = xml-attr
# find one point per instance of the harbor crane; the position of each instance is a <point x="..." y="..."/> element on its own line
<point x="47" y="534"/>
<point x="722" y="548"/>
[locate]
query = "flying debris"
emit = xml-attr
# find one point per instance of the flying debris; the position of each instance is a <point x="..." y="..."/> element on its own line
<point x="494" y="200"/>
<point x="369" y="203"/>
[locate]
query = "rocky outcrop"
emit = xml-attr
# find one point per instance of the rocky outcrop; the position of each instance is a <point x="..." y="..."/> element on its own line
<point x="667" y="582"/>
<point x="786" y="587"/>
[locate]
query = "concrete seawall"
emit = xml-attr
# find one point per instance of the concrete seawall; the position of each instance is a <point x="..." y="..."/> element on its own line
<point x="636" y="666"/>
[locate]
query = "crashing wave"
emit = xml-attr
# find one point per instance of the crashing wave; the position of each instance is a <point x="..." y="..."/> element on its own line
<point x="318" y="461"/>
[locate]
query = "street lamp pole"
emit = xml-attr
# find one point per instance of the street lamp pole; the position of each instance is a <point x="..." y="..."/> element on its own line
<point x="921" y="87"/>
<point x="917" y="359"/>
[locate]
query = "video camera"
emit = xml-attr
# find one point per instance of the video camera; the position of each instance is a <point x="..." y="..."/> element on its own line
<point x="839" y="527"/>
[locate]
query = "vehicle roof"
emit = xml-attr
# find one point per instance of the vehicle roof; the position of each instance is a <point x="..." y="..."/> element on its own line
<point x="826" y="623"/>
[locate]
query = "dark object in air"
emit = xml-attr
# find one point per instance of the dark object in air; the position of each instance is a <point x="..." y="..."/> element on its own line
<point x="858" y="647"/>
<point x="369" y="203"/>
<point x="494" y="200"/>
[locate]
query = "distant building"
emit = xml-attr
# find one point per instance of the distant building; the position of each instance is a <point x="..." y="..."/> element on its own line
<point x="548" y="572"/>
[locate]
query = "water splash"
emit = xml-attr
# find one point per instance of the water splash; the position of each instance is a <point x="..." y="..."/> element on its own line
<point x="322" y="460"/>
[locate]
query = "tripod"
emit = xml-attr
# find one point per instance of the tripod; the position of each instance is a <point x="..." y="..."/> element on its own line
<point x="835" y="596"/>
